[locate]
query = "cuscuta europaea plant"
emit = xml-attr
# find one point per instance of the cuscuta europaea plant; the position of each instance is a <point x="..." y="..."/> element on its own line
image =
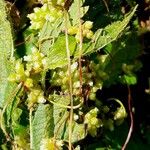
<point x="31" y="84"/>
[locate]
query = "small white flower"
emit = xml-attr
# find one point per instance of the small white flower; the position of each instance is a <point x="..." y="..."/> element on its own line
<point x="34" y="50"/>
<point x="50" y="18"/>
<point x="27" y="58"/>
<point x="36" y="9"/>
<point x="91" y="83"/>
<point x="44" y="7"/>
<point x="76" y="117"/>
<point x="41" y="100"/>
<point x="76" y="84"/>
<point x="36" y="65"/>
<point x="74" y="66"/>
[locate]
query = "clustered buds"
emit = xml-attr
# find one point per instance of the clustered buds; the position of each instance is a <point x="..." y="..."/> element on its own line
<point x="35" y="96"/>
<point x="36" y="62"/>
<point x="86" y="31"/>
<point x="45" y="13"/>
<point x="26" y="70"/>
<point x="93" y="123"/>
<point x="60" y="78"/>
<point x="51" y="144"/>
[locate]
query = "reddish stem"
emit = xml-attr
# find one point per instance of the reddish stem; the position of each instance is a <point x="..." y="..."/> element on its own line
<point x="131" y="119"/>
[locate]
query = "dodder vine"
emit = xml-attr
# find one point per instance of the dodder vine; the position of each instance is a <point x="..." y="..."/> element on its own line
<point x="58" y="82"/>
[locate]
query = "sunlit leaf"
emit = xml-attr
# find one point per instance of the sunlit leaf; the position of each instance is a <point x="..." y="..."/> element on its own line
<point x="42" y="125"/>
<point x="57" y="53"/>
<point x="6" y="50"/>
<point x="61" y="121"/>
<point x="73" y="11"/>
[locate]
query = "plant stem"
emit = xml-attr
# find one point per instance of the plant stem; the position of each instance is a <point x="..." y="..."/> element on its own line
<point x="80" y="47"/>
<point x="70" y="79"/>
<point x="106" y="5"/>
<point x="68" y="107"/>
<point x="131" y="119"/>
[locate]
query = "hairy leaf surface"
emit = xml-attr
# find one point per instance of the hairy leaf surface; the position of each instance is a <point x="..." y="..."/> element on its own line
<point x="42" y="125"/>
<point x="6" y="48"/>
<point x="57" y="53"/>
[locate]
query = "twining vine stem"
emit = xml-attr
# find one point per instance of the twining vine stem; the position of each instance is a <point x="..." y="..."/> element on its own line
<point x="70" y="79"/>
<point x="131" y="119"/>
<point x="80" y="47"/>
<point x="68" y="107"/>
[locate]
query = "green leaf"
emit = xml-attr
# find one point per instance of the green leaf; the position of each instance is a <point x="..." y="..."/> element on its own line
<point x="6" y="88"/>
<point x="11" y="107"/>
<point x="51" y="30"/>
<point x="42" y="125"/>
<point x="61" y="121"/>
<point x="19" y="128"/>
<point x="78" y="132"/>
<point x="57" y="53"/>
<point x="57" y="56"/>
<point x="110" y="33"/>
<point x="16" y="115"/>
<point x="60" y="114"/>
<point x="6" y="39"/>
<point x="52" y="121"/>
<point x="73" y="11"/>
<point x="48" y="34"/>
<point x="6" y="49"/>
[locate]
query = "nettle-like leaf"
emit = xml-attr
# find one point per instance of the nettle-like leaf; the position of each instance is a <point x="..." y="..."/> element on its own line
<point x="42" y="125"/>
<point x="48" y="34"/>
<point x="53" y="121"/>
<point x="6" y="50"/>
<point x="51" y="31"/>
<point x="6" y="88"/>
<point x="73" y="11"/>
<point x="110" y="33"/>
<point x="78" y="132"/>
<point x="18" y="129"/>
<point x="11" y="105"/>
<point x="8" y="91"/>
<point x="57" y="52"/>
<point x="61" y="115"/>
<point x="6" y="40"/>
<point x="61" y="121"/>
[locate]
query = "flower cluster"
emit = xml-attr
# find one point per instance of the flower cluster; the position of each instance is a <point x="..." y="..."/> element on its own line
<point x="35" y="96"/>
<point x="92" y="121"/>
<point x="36" y="62"/>
<point x="60" y="78"/>
<point x="42" y="14"/>
<point x="26" y="72"/>
<point x="86" y="31"/>
<point x="51" y="144"/>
